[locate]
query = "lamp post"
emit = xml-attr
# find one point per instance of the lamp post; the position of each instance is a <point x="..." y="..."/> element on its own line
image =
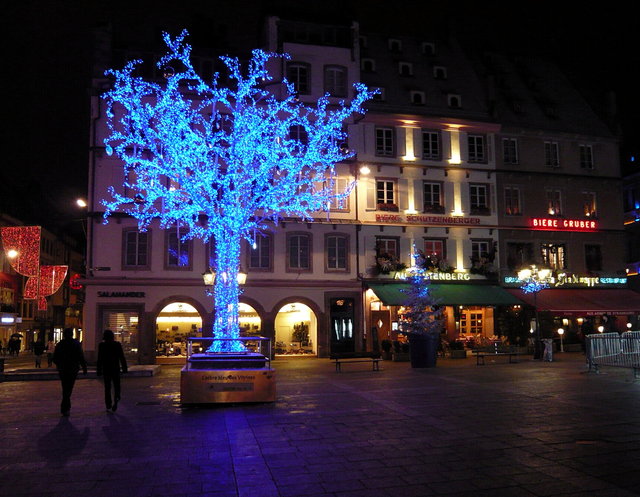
<point x="209" y="278"/>
<point x="534" y="280"/>
<point x="561" y="333"/>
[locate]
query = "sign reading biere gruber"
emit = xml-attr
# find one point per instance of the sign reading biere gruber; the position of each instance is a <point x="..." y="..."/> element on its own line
<point x="560" y="224"/>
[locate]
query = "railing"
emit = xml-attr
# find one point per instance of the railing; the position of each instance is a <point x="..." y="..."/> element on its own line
<point x="259" y="345"/>
<point x="613" y="349"/>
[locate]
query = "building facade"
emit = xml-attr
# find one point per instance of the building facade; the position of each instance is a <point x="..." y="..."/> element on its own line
<point x="444" y="177"/>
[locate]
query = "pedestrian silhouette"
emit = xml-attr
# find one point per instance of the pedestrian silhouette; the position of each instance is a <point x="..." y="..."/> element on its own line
<point x="68" y="358"/>
<point x="38" y="350"/>
<point x="110" y="359"/>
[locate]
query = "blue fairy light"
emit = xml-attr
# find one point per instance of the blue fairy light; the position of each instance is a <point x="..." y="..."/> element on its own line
<point x="197" y="150"/>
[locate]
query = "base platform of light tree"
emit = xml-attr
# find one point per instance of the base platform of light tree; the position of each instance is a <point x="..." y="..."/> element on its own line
<point x="211" y="378"/>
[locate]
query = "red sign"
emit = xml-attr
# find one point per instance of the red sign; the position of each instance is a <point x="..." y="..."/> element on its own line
<point x="558" y="224"/>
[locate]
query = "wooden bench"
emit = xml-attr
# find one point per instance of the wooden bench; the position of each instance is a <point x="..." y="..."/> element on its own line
<point x="348" y="357"/>
<point x="494" y="351"/>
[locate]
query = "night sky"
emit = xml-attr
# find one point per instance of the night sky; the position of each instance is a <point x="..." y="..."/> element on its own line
<point x="50" y="48"/>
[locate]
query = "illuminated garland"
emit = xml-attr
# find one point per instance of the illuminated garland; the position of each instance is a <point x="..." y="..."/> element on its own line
<point x="533" y="286"/>
<point x="22" y="248"/>
<point x="220" y="162"/>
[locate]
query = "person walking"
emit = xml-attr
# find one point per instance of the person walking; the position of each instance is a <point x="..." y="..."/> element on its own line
<point x="38" y="350"/>
<point x="51" y="346"/>
<point x="110" y="360"/>
<point x="68" y="358"/>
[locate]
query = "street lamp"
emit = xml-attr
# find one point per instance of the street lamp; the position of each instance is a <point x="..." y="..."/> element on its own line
<point x="561" y="333"/>
<point x="209" y="278"/>
<point x="533" y="280"/>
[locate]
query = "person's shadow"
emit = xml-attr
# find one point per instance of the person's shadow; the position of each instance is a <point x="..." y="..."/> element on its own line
<point x="63" y="442"/>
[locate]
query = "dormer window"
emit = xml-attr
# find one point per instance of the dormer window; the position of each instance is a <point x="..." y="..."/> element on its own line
<point x="395" y="45"/>
<point x="368" y="65"/>
<point x="428" y="48"/>
<point x="454" y="101"/>
<point x="417" y="97"/>
<point x="440" y="72"/>
<point x="405" y="68"/>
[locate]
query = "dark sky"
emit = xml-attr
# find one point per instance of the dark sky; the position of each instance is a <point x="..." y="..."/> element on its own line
<point x="50" y="52"/>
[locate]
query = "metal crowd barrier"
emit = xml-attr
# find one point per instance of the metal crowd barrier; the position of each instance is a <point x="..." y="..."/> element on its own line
<point x="613" y="349"/>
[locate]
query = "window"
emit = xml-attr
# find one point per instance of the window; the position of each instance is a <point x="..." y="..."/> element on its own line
<point x="589" y="204"/>
<point x="551" y="154"/>
<point x="554" y="202"/>
<point x="586" y="157"/>
<point x="440" y="72"/>
<point x="476" y="148"/>
<point x="384" y="142"/>
<point x="454" y="101"/>
<point x="298" y="75"/>
<point x="553" y="255"/>
<point x="512" y="201"/>
<point x="387" y="247"/>
<point x="431" y="145"/>
<point x="434" y="248"/>
<point x="178" y="255"/>
<point x="337" y="251"/>
<point x="405" y="68"/>
<point x="593" y="257"/>
<point x="510" y="150"/>
<point x="432" y="200"/>
<point x="135" y="249"/>
<point x="385" y="194"/>
<point x="417" y="97"/>
<point x="298" y="252"/>
<point x="368" y="65"/>
<point x="519" y="255"/>
<point x="479" y="249"/>
<point x="299" y="134"/>
<point x="335" y="81"/>
<point x="479" y="199"/>
<point x="340" y="185"/>
<point x="395" y="45"/>
<point x="260" y="254"/>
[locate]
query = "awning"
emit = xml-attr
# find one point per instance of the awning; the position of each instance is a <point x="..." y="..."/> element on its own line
<point x="584" y="302"/>
<point x="451" y="294"/>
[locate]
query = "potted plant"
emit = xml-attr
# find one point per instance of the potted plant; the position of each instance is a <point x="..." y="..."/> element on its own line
<point x="401" y="351"/>
<point x="457" y="350"/>
<point x="421" y="321"/>
<point x="386" y="349"/>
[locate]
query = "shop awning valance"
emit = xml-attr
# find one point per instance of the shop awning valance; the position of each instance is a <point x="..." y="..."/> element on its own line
<point x="447" y="294"/>
<point x="584" y="302"/>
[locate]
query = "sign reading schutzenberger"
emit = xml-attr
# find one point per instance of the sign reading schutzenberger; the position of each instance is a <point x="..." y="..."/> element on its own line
<point x="420" y="219"/>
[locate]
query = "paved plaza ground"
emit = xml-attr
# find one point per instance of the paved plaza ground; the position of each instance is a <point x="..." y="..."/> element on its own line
<point x="526" y="429"/>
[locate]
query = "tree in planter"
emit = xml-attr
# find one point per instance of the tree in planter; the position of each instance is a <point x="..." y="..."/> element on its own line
<point x="422" y="320"/>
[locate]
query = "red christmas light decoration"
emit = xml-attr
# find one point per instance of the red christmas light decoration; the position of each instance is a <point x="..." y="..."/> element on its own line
<point x="74" y="282"/>
<point x="24" y="242"/>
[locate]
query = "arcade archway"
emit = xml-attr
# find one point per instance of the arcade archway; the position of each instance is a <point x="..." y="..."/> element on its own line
<point x="175" y="323"/>
<point x="296" y="331"/>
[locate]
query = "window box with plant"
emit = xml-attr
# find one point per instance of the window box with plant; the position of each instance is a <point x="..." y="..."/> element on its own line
<point x="387" y="207"/>
<point x="388" y="264"/>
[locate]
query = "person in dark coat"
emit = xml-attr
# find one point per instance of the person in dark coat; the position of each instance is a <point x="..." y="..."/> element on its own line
<point x="68" y="358"/>
<point x="110" y="359"/>
<point x="38" y="350"/>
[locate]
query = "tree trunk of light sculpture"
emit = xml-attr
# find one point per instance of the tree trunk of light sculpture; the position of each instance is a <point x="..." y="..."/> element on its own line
<point x="222" y="162"/>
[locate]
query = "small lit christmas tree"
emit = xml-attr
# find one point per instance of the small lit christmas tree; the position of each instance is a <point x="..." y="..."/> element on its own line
<point x="222" y="162"/>
<point x="422" y="314"/>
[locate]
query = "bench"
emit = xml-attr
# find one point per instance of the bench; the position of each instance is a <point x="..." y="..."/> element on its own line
<point x="348" y="357"/>
<point x="494" y="351"/>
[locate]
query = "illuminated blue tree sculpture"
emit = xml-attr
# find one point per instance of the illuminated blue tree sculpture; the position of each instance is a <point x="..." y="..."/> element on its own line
<point x="222" y="162"/>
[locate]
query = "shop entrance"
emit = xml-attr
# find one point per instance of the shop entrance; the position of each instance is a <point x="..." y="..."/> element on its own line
<point x="296" y="331"/>
<point x="175" y="323"/>
<point x="342" y="325"/>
